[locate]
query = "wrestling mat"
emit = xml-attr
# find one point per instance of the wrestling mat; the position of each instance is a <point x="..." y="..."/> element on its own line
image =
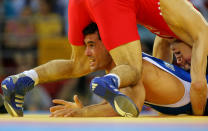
<point x="42" y="122"/>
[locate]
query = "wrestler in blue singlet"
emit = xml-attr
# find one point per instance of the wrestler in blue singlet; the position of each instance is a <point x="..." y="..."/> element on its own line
<point x="183" y="106"/>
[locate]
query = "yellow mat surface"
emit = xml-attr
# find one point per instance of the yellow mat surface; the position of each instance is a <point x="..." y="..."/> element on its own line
<point x="33" y="122"/>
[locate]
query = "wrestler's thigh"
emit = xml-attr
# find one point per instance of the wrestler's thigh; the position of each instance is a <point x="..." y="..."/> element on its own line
<point x="116" y="21"/>
<point x="78" y="19"/>
<point x="118" y="29"/>
<point x="183" y="19"/>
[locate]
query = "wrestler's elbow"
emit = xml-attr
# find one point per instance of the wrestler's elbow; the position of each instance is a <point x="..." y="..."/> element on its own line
<point x="201" y="35"/>
<point x="204" y="32"/>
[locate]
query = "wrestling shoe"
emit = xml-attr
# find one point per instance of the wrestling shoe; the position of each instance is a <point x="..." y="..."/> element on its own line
<point x="107" y="88"/>
<point x="14" y="89"/>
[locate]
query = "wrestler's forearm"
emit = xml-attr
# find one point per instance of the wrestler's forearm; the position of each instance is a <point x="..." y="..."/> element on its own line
<point x="104" y="109"/>
<point x="97" y="110"/>
<point x="198" y="92"/>
<point x="161" y="49"/>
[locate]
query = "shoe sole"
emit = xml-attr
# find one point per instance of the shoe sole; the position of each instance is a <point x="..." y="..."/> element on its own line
<point x="125" y="107"/>
<point x="11" y="111"/>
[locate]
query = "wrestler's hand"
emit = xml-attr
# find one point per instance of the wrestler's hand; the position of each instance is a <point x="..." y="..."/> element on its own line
<point x="65" y="107"/>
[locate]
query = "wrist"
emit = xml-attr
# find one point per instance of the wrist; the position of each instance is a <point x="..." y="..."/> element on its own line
<point x="33" y="75"/>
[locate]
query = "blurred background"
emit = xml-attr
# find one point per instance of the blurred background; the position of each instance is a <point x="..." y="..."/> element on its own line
<point x="33" y="32"/>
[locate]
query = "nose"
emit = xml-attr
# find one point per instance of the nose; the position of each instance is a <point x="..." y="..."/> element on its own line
<point x="172" y="48"/>
<point x="88" y="52"/>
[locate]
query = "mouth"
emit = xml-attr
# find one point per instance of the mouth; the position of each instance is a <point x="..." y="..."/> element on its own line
<point x="186" y="65"/>
<point x="92" y="62"/>
<point x="179" y="60"/>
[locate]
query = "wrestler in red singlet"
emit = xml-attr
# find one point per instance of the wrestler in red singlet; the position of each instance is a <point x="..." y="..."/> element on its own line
<point x="116" y="19"/>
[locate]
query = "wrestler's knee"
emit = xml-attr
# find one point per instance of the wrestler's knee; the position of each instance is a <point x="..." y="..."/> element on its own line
<point x="128" y="74"/>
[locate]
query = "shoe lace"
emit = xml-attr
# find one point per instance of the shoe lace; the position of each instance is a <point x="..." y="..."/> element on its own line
<point x="19" y="100"/>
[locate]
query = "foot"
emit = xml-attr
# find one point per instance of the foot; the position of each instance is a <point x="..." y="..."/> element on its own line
<point x="124" y="106"/>
<point x="107" y="88"/>
<point x="14" y="89"/>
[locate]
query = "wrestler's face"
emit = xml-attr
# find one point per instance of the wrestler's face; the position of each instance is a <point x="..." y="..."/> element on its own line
<point x="99" y="57"/>
<point x="182" y="53"/>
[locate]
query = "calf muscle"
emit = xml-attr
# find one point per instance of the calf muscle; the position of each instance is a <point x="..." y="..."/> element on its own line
<point x="130" y="57"/>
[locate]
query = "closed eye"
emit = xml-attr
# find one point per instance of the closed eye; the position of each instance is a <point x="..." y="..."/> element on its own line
<point x="90" y="44"/>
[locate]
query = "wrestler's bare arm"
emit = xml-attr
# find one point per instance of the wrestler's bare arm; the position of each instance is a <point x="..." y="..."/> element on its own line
<point x="189" y="25"/>
<point x="136" y="93"/>
<point x="73" y="109"/>
<point x="128" y="60"/>
<point x="103" y="109"/>
<point x="62" y="69"/>
<point x="161" y="49"/>
<point x="97" y="110"/>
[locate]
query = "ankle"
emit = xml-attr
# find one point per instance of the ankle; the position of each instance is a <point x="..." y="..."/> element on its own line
<point x="33" y="75"/>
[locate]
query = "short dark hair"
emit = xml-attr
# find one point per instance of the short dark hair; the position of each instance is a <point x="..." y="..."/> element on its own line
<point x="90" y="29"/>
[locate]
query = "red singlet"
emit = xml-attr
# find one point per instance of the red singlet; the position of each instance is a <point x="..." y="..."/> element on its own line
<point x="116" y="19"/>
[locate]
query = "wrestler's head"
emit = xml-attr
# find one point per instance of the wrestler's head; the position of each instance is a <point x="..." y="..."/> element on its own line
<point x="182" y="54"/>
<point x="99" y="57"/>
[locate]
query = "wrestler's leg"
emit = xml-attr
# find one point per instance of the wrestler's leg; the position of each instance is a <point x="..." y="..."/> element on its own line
<point x="129" y="61"/>
<point x="120" y="36"/>
<point x="119" y="33"/>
